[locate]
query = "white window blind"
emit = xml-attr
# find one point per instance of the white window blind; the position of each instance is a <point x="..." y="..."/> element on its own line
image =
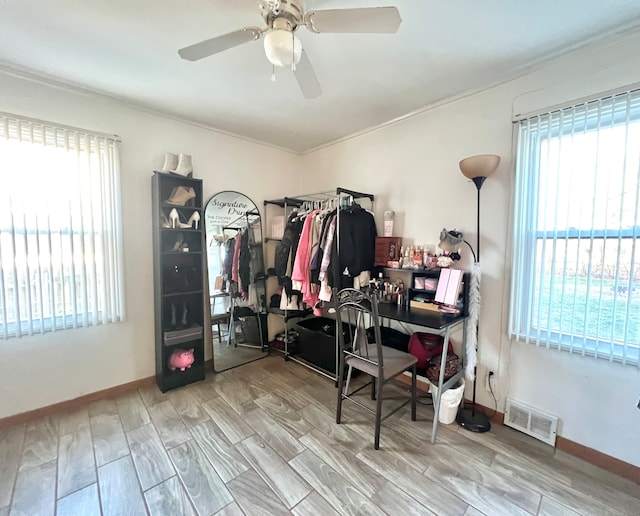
<point x="60" y="228"/>
<point x="576" y="275"/>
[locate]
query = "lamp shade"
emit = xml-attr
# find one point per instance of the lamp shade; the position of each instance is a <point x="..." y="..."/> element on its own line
<point x="282" y="47"/>
<point x="482" y="165"/>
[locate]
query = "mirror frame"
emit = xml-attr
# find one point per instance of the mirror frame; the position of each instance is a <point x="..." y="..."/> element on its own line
<point x="222" y="210"/>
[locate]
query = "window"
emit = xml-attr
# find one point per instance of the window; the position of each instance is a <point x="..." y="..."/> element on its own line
<point x="576" y="274"/>
<point x="60" y="228"/>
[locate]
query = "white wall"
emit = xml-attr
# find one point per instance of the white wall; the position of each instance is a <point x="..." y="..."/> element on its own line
<point x="412" y="167"/>
<point x="43" y="370"/>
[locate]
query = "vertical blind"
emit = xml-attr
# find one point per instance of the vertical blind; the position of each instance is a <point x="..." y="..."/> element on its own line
<point x="575" y="273"/>
<point x="60" y="228"/>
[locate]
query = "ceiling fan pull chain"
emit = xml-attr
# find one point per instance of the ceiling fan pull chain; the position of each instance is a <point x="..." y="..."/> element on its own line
<point x="273" y="73"/>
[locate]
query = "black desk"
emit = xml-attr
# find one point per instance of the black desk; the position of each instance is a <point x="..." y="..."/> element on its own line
<point x="438" y="324"/>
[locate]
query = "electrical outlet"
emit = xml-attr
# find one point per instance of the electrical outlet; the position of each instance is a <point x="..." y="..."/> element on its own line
<point x="488" y="379"/>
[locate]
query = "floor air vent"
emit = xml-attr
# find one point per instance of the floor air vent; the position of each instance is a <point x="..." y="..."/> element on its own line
<point x="531" y="421"/>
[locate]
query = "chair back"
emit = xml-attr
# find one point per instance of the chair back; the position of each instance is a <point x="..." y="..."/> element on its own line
<point x="357" y="311"/>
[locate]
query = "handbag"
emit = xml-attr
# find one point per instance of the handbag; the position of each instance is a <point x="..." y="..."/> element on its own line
<point x="425" y="346"/>
<point x="451" y="366"/>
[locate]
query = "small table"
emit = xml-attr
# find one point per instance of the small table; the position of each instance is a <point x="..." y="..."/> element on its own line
<point x="437" y="324"/>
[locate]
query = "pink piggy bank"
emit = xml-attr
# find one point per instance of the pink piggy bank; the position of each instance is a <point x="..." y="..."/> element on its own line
<point x="181" y="359"/>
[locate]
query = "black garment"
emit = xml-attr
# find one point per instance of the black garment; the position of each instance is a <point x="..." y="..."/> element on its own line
<point x="288" y="246"/>
<point x="282" y="252"/>
<point x="227" y="260"/>
<point x="356" y="240"/>
<point x="298" y="224"/>
<point x="244" y="273"/>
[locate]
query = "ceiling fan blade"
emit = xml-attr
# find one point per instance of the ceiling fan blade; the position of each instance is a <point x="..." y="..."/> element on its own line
<point x="306" y="78"/>
<point x="359" y="20"/>
<point x="219" y="43"/>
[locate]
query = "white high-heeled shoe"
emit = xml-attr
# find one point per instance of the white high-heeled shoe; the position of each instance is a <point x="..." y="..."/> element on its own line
<point x="195" y="218"/>
<point x="184" y="166"/>
<point x="170" y="162"/>
<point x="174" y="218"/>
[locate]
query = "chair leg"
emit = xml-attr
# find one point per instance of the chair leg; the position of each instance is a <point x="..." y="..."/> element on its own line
<point x="340" y="387"/>
<point x="413" y="392"/>
<point x="346" y="385"/>
<point x="376" y="442"/>
<point x="373" y="388"/>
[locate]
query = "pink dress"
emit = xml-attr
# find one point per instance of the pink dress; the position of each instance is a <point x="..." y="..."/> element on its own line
<point x="300" y="276"/>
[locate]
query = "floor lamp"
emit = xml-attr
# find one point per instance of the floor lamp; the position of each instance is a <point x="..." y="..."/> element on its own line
<point x="476" y="168"/>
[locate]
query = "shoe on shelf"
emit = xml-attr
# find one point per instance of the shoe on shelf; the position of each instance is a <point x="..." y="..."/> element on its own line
<point x="164" y="221"/>
<point x="194" y="219"/>
<point x="172" y="322"/>
<point x="184" y="166"/>
<point x="174" y="218"/>
<point x="184" y="320"/>
<point x="170" y="162"/>
<point x="179" y="243"/>
<point x="181" y="195"/>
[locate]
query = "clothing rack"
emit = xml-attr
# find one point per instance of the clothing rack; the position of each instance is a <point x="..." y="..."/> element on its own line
<point x="242" y="218"/>
<point x="331" y="199"/>
<point x="299" y="200"/>
<point x="244" y="222"/>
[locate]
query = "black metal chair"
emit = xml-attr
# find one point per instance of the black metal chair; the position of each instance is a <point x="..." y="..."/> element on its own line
<point x="355" y="311"/>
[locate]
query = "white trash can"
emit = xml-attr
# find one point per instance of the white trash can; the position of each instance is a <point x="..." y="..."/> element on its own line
<point x="449" y="402"/>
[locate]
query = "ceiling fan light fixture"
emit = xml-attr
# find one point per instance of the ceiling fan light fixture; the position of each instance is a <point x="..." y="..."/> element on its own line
<point x="282" y="47"/>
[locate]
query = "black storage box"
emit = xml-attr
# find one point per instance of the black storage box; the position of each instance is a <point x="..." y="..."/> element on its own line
<point x="318" y="344"/>
<point x="390" y="337"/>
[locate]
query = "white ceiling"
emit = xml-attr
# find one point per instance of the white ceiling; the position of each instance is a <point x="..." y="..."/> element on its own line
<point x="128" y="49"/>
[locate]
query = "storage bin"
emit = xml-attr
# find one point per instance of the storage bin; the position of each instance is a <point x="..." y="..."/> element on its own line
<point x="449" y="401"/>
<point x="318" y="343"/>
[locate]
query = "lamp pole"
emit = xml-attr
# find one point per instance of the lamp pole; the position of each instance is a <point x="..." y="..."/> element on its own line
<point x="478" y="181"/>
<point x="476" y="168"/>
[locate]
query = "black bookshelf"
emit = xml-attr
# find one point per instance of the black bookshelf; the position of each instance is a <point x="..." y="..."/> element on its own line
<point x="178" y="274"/>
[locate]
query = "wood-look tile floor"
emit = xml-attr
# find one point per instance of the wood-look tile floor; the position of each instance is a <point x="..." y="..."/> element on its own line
<point x="228" y="356"/>
<point x="262" y="439"/>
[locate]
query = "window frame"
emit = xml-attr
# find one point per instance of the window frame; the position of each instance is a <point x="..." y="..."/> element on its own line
<point x="82" y="254"/>
<point x="522" y="326"/>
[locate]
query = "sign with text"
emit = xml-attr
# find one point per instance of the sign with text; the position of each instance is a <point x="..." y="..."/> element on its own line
<point x="226" y="209"/>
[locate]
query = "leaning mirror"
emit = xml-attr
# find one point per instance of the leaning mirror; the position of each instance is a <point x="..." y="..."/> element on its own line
<point x="235" y="265"/>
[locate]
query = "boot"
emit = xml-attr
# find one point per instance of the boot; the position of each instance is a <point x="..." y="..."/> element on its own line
<point x="170" y="162"/>
<point x="184" y="321"/>
<point x="181" y="195"/>
<point x="172" y="322"/>
<point x="184" y="167"/>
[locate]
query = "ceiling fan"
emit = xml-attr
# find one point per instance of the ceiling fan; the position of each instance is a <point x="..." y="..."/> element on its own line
<point x="283" y="48"/>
